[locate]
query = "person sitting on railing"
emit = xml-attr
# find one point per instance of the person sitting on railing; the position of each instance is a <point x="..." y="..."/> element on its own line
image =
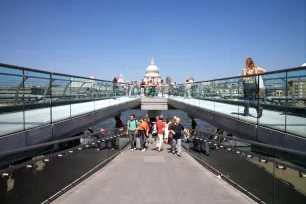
<point x="250" y="87"/>
<point x="88" y="133"/>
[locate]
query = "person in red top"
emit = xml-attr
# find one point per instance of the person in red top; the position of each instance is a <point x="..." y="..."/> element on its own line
<point x="160" y="132"/>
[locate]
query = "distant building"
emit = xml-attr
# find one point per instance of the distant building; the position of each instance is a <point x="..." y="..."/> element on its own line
<point x="168" y="80"/>
<point x="299" y="88"/>
<point x="152" y="73"/>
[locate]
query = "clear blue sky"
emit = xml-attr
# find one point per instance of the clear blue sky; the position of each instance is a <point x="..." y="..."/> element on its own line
<point x="204" y="39"/>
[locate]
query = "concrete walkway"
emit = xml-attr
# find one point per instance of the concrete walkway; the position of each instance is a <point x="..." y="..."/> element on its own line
<point x="151" y="177"/>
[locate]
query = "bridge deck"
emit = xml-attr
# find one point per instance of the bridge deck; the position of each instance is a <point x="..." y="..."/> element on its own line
<point x="152" y="177"/>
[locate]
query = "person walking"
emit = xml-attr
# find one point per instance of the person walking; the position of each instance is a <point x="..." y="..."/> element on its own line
<point x="150" y="126"/>
<point x="131" y="131"/>
<point x="160" y="126"/>
<point x="170" y="135"/>
<point x="250" y="87"/>
<point x="176" y="130"/>
<point x="166" y="135"/>
<point x="142" y="130"/>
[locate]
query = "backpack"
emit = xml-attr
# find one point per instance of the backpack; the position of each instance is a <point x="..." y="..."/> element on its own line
<point x="129" y="122"/>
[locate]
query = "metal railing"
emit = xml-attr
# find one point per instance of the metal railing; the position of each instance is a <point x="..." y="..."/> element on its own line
<point x="281" y="94"/>
<point x="44" y="176"/>
<point x="264" y="177"/>
<point x="30" y="98"/>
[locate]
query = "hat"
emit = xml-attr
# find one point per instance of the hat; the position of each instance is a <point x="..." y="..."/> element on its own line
<point x="174" y="117"/>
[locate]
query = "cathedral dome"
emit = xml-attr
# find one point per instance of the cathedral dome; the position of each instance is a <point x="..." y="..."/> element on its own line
<point x="152" y="68"/>
<point x="152" y="73"/>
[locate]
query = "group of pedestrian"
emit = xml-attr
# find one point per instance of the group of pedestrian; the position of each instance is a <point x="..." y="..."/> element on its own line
<point x="147" y="89"/>
<point x="169" y="131"/>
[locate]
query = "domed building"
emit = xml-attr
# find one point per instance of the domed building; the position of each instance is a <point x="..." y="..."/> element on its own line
<point x="152" y="73"/>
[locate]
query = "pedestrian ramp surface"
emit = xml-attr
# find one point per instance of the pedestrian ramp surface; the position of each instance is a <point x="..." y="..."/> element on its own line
<point x="151" y="177"/>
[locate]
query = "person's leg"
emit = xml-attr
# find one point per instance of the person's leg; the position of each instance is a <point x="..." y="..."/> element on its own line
<point x="173" y="146"/>
<point x="157" y="143"/>
<point x="131" y="135"/>
<point x="141" y="137"/>
<point x="179" y="146"/>
<point x="255" y="103"/>
<point x="160" y="138"/>
<point x="144" y="141"/>
<point x="137" y="140"/>
<point x="246" y="99"/>
<point x="150" y="138"/>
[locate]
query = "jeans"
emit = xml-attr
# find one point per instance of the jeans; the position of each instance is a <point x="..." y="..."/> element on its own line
<point x="151" y="140"/>
<point x="177" y="145"/>
<point x="159" y="142"/>
<point x="249" y="92"/>
<point x="143" y="139"/>
<point x="132" y="136"/>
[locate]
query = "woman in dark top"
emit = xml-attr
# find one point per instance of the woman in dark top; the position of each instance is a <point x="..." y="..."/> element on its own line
<point x="176" y="130"/>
